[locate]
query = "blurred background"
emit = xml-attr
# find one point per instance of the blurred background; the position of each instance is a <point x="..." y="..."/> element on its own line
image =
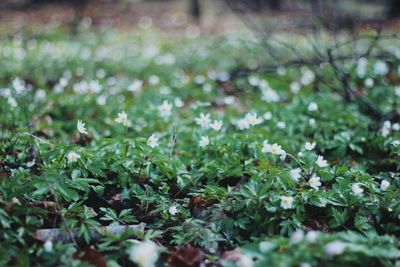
<point x="190" y="16"/>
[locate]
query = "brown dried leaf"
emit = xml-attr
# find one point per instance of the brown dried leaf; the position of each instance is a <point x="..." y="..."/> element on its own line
<point x="186" y="256"/>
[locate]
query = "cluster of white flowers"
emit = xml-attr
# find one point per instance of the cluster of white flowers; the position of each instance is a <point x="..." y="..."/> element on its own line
<point x="299" y="235"/>
<point x="250" y="119"/>
<point x="387" y="127"/>
<point x="6" y="93"/>
<point x="84" y="87"/>
<point x="274" y="149"/>
<point x="270" y="95"/>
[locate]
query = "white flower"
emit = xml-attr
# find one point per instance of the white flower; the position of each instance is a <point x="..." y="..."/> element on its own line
<point x="122" y="118"/>
<point x="362" y="67"/>
<point x="396" y="126"/>
<point x="253" y="80"/>
<point x="305" y="264"/>
<point x="369" y="82"/>
<point x="312" y="236"/>
<point x="281" y="71"/>
<point x="243" y="124"/>
<point x="395" y="143"/>
<point x="385" y="185"/>
<point x="136" y="86"/>
<point x="245" y="261"/>
<point x="287" y="202"/>
<point x="357" y="189"/>
<point x="381" y="68"/>
<point x="309" y="146"/>
<point x="152" y="141"/>
<point x="229" y="100"/>
<point x="397" y="90"/>
<point x="204" y="120"/>
<point x="81" y="127"/>
<point x="19" y="86"/>
<point x="295" y="87"/>
<point x="269" y="95"/>
<point x="12" y="102"/>
<point x="216" y="125"/>
<point x="335" y="248"/>
<point x="274" y="149"/>
<point x="154" y="80"/>
<point x="178" y="102"/>
<point x="307" y="77"/>
<point x="297" y="236"/>
<point x="48" y="245"/>
<point x="40" y="95"/>
<point x="165" y="109"/>
<point x="295" y="174"/>
<point x="144" y="254"/>
<point x="281" y="125"/>
<point x="252" y="119"/>
<point x="314" y="182"/>
<point x="321" y="162"/>
<point x="312" y="122"/>
<point x="312" y="107"/>
<point x="386" y="128"/>
<point x="267" y="116"/>
<point x="204" y="141"/>
<point x="73" y="157"/>
<point x="30" y="164"/>
<point x="173" y="210"/>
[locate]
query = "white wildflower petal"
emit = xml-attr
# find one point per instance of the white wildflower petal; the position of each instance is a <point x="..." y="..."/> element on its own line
<point x="144" y="254"/>
<point x="287" y="202"/>
<point x="314" y="182"/>
<point x="384" y="185"/>
<point x="152" y="141"/>
<point x="204" y="120"/>
<point x="335" y="248"/>
<point x="357" y="189"/>
<point x="80" y="125"/>
<point x="321" y="162"/>
<point x="204" y="141"/>
<point x="309" y="146"/>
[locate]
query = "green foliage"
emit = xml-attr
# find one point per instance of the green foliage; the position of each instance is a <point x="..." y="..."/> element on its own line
<point x="235" y="191"/>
